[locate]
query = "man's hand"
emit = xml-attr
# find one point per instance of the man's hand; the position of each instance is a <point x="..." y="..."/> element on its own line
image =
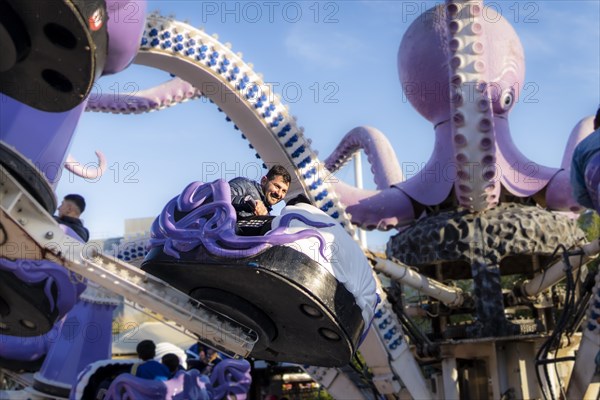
<point x="260" y="208"/>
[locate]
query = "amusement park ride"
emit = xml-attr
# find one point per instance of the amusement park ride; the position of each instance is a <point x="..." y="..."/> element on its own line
<point x="537" y="339"/>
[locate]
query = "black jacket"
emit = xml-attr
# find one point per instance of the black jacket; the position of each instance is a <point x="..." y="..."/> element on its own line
<point x="244" y="194"/>
<point x="76" y="225"/>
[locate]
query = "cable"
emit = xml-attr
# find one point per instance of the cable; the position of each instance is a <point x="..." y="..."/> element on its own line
<point x="541" y="355"/>
<point x="362" y="370"/>
<point x="553" y="342"/>
<point x="569" y="304"/>
<point x="583" y="303"/>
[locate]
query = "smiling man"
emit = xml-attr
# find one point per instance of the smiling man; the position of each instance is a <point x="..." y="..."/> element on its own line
<point x="251" y="198"/>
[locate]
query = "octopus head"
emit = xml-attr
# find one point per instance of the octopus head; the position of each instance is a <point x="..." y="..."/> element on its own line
<point x="430" y="45"/>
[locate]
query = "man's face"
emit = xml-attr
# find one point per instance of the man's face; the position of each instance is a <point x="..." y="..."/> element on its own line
<point x="63" y="209"/>
<point x="68" y="209"/>
<point x="275" y="189"/>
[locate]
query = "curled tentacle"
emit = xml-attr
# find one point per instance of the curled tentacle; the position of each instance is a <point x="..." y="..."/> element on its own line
<point x="372" y="209"/>
<point x="379" y="151"/>
<point x="211" y="221"/>
<point x="380" y="210"/>
<point x="559" y="194"/>
<point x="28" y="349"/>
<point x="185" y="384"/>
<point x="84" y="171"/>
<point x="231" y="377"/>
<point x="52" y="277"/>
<point x="285" y="223"/>
<point x="162" y="96"/>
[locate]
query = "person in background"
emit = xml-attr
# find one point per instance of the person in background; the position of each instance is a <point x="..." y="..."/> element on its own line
<point x="196" y="357"/>
<point x="171" y="361"/>
<point x="251" y="198"/>
<point x="69" y="212"/>
<point x="149" y="368"/>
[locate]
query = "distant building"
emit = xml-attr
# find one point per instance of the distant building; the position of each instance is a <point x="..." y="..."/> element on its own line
<point x="138" y="226"/>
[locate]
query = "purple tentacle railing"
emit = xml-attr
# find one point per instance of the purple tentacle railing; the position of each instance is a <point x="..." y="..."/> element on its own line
<point x="211" y="222"/>
<point x="185" y="384"/>
<point x="35" y="271"/>
<point x="231" y="377"/>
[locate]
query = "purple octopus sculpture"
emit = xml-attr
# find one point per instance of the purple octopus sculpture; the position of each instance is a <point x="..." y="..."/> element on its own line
<point x="479" y="208"/>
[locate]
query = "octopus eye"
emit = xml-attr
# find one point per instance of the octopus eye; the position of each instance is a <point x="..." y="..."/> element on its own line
<point x="506" y="100"/>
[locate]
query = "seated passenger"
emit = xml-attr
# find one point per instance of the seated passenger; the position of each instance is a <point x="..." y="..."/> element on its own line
<point x="250" y="198"/>
<point x="149" y="368"/>
<point x="198" y="357"/>
<point x="202" y="255"/>
<point x="344" y="257"/>
<point x="69" y="211"/>
<point x="171" y="361"/>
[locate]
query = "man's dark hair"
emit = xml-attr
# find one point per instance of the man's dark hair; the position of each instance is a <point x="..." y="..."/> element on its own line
<point x="171" y="361"/>
<point x="78" y="200"/>
<point x="597" y="119"/>
<point x="279" y="170"/>
<point x="146" y="350"/>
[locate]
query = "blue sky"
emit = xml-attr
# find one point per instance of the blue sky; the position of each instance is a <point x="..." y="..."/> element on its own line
<point x="334" y="64"/>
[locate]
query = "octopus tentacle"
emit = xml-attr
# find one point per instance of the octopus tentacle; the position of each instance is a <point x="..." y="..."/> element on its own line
<point x="380" y="154"/>
<point x="84" y="171"/>
<point x="166" y="95"/>
<point x="376" y="209"/>
<point x="211" y="221"/>
<point x="393" y="207"/>
<point x="231" y="376"/>
<point x="471" y="112"/>
<point x="519" y="175"/>
<point x="559" y="195"/>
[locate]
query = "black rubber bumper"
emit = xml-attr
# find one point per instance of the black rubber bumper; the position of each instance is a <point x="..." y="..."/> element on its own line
<point x="301" y="313"/>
